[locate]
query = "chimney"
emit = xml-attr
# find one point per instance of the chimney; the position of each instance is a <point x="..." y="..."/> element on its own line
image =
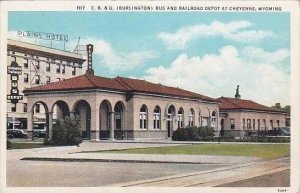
<point x="237" y="94"/>
<point x="90" y="69"/>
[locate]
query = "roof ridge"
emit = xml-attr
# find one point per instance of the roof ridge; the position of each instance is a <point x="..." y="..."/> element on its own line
<point x="87" y="76"/>
<point x="232" y="102"/>
<point x="119" y="80"/>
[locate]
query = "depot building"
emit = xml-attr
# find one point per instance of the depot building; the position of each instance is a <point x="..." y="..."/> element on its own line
<point x="122" y="108"/>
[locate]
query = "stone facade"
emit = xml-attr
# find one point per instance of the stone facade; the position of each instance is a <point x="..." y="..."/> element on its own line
<point x="110" y="109"/>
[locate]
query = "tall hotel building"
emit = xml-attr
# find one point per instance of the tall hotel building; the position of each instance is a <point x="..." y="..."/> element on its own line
<point x="40" y="65"/>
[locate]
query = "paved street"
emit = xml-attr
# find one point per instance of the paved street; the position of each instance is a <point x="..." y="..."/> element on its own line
<point x="85" y="169"/>
<point x="44" y="173"/>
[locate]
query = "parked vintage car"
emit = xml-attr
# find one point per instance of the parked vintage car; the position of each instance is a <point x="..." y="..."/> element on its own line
<point x="16" y="133"/>
<point x="39" y="133"/>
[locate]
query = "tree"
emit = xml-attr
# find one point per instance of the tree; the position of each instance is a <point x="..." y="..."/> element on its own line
<point x="67" y="132"/>
<point x="286" y="108"/>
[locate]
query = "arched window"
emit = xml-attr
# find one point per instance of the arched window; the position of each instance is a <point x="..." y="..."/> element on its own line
<point x="156" y="118"/>
<point x="180" y="118"/>
<point x="213" y="119"/>
<point x="143" y="117"/>
<point x="191" y="118"/>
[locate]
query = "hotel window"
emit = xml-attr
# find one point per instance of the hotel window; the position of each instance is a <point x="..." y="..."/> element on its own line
<point x="37" y="79"/>
<point x="248" y="123"/>
<point x="58" y="79"/>
<point x="48" y="69"/>
<point x="13" y="107"/>
<point x="38" y="65"/>
<point x="37" y="108"/>
<point x="213" y="119"/>
<point x="48" y="79"/>
<point x="25" y="77"/>
<point x="191" y="117"/>
<point x="63" y="69"/>
<point x="278" y="123"/>
<point x="26" y="63"/>
<point x="253" y="123"/>
<point x="143" y="117"/>
<point x="25" y="107"/>
<point x="74" y="71"/>
<point x="180" y="118"/>
<point x="156" y="118"/>
<point x="58" y="68"/>
<point x="271" y="124"/>
<point x="244" y="123"/>
<point x="258" y="124"/>
<point x="232" y="124"/>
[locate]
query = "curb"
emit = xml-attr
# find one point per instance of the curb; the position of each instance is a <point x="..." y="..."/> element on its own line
<point x="115" y="160"/>
<point x="181" y="142"/>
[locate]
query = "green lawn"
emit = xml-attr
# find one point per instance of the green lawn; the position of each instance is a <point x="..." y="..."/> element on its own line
<point x="267" y="151"/>
<point x="28" y="145"/>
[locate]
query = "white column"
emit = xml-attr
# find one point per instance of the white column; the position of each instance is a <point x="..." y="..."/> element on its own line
<point x="50" y="124"/>
<point x="29" y="123"/>
<point x="112" y="125"/>
<point x="95" y="114"/>
<point x="72" y="115"/>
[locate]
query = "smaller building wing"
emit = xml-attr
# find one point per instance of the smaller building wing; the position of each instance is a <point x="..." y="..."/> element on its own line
<point x="227" y="103"/>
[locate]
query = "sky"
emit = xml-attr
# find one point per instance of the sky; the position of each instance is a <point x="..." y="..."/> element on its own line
<point x="209" y="53"/>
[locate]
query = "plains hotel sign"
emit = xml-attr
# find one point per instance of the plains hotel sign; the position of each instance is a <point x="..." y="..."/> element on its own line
<point x="43" y="36"/>
<point x="14" y="70"/>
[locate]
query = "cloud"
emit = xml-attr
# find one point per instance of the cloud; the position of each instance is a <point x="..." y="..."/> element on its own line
<point x="254" y="54"/>
<point x="118" y="61"/>
<point x="234" y="31"/>
<point x="217" y="75"/>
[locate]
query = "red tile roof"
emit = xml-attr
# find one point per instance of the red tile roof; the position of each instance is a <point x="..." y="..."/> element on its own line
<point x="89" y="81"/>
<point x="226" y="103"/>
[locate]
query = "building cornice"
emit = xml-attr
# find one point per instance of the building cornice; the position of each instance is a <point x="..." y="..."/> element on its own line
<point x="31" y="93"/>
<point x="250" y="110"/>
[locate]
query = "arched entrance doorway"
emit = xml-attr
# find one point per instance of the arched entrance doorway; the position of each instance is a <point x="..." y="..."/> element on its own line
<point x="105" y="114"/>
<point x="40" y="120"/>
<point x="119" y="120"/>
<point x="60" y="110"/>
<point x="170" y="116"/>
<point x="82" y="110"/>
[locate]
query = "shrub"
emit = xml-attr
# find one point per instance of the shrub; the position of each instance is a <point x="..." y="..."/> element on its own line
<point x="8" y="144"/>
<point x="193" y="134"/>
<point x="206" y="133"/>
<point x="66" y="132"/>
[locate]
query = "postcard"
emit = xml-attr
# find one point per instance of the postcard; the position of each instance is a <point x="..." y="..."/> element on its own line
<point x="149" y="96"/>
